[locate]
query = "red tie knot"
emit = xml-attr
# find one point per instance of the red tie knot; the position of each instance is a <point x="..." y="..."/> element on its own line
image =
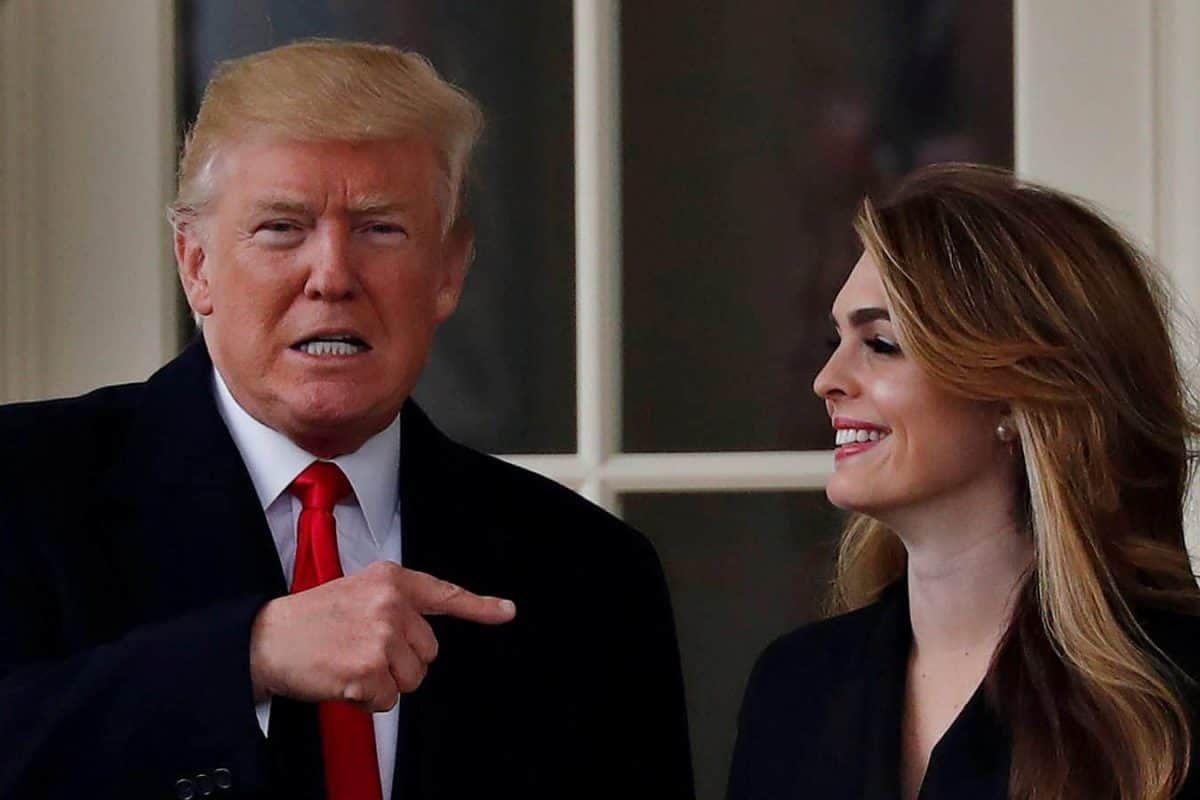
<point x="321" y="486"/>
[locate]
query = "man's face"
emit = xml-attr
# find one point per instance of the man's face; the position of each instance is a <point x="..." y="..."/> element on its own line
<point x="321" y="272"/>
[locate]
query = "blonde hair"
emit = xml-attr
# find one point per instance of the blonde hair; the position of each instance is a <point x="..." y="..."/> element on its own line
<point x="327" y="89"/>
<point x="1006" y="291"/>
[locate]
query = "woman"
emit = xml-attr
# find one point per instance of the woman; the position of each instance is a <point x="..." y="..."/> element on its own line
<point x="1011" y="431"/>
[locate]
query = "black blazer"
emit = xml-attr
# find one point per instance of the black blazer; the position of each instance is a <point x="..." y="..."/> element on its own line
<point x="134" y="556"/>
<point x="823" y="708"/>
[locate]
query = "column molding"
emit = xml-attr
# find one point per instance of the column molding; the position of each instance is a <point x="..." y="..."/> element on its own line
<point x="20" y="362"/>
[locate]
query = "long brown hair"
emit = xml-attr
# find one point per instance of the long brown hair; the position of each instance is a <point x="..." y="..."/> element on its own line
<point x="1006" y="291"/>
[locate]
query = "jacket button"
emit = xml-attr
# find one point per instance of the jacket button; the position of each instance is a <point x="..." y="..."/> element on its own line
<point x="223" y="778"/>
<point x="185" y="789"/>
<point x="204" y="784"/>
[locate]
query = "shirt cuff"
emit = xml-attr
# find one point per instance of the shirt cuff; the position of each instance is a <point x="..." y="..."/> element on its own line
<point x="263" y="711"/>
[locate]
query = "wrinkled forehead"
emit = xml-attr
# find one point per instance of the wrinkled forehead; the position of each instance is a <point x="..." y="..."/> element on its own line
<point x="348" y="174"/>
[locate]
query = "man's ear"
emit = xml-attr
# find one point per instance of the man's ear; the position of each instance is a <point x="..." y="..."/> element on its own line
<point x="458" y="249"/>
<point x="190" y="259"/>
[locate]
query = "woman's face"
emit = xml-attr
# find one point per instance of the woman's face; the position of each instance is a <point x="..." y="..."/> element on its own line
<point x="902" y="442"/>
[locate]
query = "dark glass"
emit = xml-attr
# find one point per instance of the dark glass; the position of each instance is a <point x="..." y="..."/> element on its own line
<point x="743" y="568"/>
<point x="750" y="132"/>
<point x="502" y="373"/>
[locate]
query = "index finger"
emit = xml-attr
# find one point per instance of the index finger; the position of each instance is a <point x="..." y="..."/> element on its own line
<point x="434" y="596"/>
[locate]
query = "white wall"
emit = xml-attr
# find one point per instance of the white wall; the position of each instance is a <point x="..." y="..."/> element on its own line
<point x="1108" y="107"/>
<point x="86" y="95"/>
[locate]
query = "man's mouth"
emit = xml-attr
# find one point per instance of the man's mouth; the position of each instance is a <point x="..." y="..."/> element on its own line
<point x="332" y="345"/>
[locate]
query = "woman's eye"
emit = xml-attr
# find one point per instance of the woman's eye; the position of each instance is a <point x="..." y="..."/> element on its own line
<point x="882" y="346"/>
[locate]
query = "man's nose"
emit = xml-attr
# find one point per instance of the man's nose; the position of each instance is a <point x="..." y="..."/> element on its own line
<point x="331" y="274"/>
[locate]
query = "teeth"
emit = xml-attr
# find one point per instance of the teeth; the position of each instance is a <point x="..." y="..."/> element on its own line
<point x="330" y="347"/>
<point x="856" y="435"/>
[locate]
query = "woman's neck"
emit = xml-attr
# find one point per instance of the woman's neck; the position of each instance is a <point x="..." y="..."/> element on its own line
<point x="964" y="569"/>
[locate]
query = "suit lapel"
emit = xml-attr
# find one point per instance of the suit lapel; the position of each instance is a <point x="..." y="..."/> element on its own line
<point x="421" y="458"/>
<point x="186" y="512"/>
<point x="190" y="533"/>
<point x="448" y="532"/>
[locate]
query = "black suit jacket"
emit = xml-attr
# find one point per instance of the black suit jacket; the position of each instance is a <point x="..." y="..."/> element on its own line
<point x="134" y="556"/>
<point x="823" y="709"/>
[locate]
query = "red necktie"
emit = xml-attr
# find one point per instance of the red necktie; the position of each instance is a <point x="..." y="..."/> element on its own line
<point x="347" y="733"/>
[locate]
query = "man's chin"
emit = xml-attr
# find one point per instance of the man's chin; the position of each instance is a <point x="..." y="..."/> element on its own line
<point x="331" y="429"/>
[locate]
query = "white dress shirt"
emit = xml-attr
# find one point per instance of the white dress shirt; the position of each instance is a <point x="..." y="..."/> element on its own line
<point x="368" y="522"/>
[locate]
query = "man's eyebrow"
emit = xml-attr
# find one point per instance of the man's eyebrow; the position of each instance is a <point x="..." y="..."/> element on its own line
<point x="282" y="205"/>
<point x="369" y="204"/>
<point x="862" y="316"/>
<point x="364" y="206"/>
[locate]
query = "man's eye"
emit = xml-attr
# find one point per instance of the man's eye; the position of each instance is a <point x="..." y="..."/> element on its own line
<point x="882" y="346"/>
<point x="385" y="229"/>
<point x="279" y="233"/>
<point x="278" y="228"/>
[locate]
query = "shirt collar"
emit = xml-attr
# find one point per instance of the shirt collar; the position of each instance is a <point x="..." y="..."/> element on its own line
<point x="274" y="461"/>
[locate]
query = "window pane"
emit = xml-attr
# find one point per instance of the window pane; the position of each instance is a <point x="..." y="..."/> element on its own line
<point x="743" y="569"/>
<point x="502" y="374"/>
<point x="750" y="133"/>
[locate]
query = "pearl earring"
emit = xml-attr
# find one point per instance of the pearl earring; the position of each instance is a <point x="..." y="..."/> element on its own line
<point x="1004" y="432"/>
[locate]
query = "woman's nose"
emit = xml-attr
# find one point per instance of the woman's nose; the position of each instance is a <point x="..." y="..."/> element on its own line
<point x="833" y="379"/>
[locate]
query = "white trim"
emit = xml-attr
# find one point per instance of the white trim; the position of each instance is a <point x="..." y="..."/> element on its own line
<point x="701" y="472"/>
<point x="20" y="365"/>
<point x="597" y="238"/>
<point x="690" y="472"/>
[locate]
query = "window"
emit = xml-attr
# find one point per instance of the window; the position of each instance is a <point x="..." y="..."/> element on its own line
<point x="662" y="206"/>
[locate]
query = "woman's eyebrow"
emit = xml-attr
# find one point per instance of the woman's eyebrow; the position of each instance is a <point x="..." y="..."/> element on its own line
<point x="863" y="316"/>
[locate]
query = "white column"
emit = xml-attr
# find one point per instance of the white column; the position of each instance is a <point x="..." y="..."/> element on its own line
<point x="1108" y="107"/>
<point x="90" y="150"/>
<point x="1085" y="103"/>
<point x="1177" y="144"/>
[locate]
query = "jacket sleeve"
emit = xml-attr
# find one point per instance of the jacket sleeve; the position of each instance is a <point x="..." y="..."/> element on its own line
<point x="162" y="710"/>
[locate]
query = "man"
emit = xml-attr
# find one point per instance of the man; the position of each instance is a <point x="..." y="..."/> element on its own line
<point x="200" y="582"/>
